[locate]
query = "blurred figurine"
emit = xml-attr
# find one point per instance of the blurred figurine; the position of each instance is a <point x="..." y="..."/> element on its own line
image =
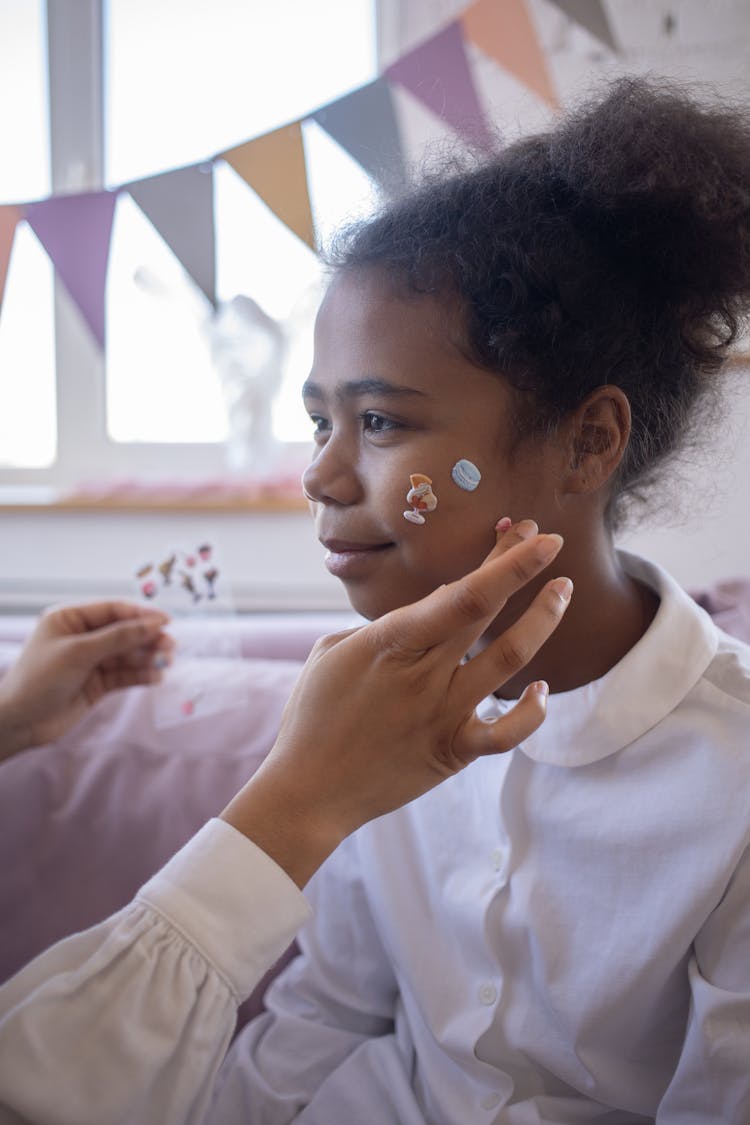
<point x="248" y="348"/>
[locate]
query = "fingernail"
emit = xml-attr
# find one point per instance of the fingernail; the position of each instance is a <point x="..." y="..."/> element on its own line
<point x="503" y="525"/>
<point x="159" y="662"/>
<point x="541" y="687"/>
<point x="548" y="546"/>
<point x="527" y="529"/>
<point x="563" y="587"/>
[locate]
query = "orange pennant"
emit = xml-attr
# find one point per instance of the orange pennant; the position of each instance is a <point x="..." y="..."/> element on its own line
<point x="9" y="219"/>
<point x="504" y="30"/>
<point x="274" y="167"/>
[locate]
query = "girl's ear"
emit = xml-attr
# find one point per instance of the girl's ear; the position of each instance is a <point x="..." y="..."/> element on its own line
<point x="599" y="431"/>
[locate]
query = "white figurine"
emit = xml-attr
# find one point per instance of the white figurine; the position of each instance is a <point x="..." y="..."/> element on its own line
<point x="248" y="350"/>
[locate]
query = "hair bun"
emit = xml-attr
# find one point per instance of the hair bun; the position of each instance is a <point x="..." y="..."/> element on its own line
<point x="662" y="183"/>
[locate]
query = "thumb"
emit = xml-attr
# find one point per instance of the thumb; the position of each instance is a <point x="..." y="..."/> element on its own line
<point x="497" y="736"/>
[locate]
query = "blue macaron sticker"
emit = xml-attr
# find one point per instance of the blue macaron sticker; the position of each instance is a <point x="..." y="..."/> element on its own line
<point x="466" y="475"/>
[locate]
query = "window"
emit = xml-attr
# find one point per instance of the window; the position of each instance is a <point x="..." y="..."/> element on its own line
<point x="27" y="373"/>
<point x="182" y="81"/>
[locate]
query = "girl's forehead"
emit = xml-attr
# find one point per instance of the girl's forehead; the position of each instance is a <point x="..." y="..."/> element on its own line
<point x="368" y="306"/>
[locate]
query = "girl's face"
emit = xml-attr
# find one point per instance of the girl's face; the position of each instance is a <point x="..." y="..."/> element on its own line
<point x="390" y="395"/>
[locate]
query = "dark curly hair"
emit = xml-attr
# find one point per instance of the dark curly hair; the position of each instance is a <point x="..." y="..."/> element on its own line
<point x="613" y="249"/>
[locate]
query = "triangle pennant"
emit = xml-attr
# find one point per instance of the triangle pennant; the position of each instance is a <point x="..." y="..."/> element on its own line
<point x="503" y="29"/>
<point x="75" y="230"/>
<point x="180" y="204"/>
<point x="591" y="15"/>
<point x="273" y="165"/>
<point x="9" y="219"/>
<point x="364" y="123"/>
<point x="438" y="74"/>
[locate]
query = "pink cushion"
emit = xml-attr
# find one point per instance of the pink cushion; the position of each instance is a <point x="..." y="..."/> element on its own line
<point x="728" y="602"/>
<point x="88" y="819"/>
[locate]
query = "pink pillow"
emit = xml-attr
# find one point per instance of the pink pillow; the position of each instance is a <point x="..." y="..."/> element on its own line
<point x="88" y="819"/>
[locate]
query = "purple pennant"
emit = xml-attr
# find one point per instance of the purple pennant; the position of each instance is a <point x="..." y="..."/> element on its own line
<point x="75" y="230"/>
<point x="438" y="74"/>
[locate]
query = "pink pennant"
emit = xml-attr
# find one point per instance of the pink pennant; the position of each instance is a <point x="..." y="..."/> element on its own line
<point x="438" y="74"/>
<point x="505" y="31"/>
<point x="9" y="219"/>
<point x="75" y="230"/>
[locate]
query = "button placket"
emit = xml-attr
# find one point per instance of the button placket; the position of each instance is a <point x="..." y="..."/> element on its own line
<point x="487" y="993"/>
<point x="497" y="859"/>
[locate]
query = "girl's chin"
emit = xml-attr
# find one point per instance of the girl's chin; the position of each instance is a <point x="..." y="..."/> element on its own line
<point x="371" y="604"/>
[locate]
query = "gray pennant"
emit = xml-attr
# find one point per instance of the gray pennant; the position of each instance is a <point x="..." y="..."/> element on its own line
<point x="364" y="123"/>
<point x="592" y="15"/>
<point x="180" y="205"/>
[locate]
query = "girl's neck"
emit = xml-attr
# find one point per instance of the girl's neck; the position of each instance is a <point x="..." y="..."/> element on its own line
<point x="608" y="615"/>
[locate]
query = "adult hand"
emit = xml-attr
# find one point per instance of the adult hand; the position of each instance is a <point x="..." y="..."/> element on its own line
<point x="383" y="713"/>
<point x="75" y="655"/>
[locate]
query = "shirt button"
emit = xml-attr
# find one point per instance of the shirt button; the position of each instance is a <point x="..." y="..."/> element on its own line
<point x="497" y="857"/>
<point x="487" y="994"/>
<point x="490" y="1101"/>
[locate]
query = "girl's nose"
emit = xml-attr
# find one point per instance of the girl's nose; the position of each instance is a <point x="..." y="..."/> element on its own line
<point x="331" y="478"/>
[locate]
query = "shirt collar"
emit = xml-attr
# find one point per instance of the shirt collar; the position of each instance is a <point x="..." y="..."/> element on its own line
<point x="595" y="720"/>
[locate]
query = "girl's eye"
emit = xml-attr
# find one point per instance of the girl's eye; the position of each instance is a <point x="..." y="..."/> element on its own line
<point x="377" y="423"/>
<point x="320" y="425"/>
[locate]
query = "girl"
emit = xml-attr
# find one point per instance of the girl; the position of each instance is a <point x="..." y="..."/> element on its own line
<point x="559" y="934"/>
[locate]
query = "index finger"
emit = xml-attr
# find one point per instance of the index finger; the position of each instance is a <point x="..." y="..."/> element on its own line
<point x="87" y="616"/>
<point x="456" y="615"/>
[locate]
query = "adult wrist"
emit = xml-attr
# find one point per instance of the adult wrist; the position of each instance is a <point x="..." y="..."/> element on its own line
<point x="285" y="824"/>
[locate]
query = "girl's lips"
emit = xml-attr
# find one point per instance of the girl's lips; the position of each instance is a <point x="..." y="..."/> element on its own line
<point x="347" y="560"/>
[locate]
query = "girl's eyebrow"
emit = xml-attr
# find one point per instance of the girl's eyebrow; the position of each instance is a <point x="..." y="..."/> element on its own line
<point x="356" y="388"/>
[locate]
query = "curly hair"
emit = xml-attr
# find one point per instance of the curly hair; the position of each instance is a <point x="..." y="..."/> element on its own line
<point x="613" y="249"/>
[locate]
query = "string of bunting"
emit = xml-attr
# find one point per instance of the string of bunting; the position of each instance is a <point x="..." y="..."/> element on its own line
<point x="75" y="230"/>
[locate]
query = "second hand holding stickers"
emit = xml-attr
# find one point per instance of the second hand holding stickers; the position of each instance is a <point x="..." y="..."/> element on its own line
<point x="421" y="497"/>
<point x="185" y="582"/>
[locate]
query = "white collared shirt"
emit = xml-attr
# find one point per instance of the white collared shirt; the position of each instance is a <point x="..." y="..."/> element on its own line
<point x="559" y="935"/>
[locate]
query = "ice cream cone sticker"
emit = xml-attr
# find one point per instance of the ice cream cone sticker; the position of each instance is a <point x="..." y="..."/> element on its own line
<point x="421" y="497"/>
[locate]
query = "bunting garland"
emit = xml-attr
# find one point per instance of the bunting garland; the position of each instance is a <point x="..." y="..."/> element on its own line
<point x="591" y="15"/>
<point x="438" y="73"/>
<point x="506" y="32"/>
<point x="274" y="167"/>
<point x="180" y="205"/>
<point x="364" y="124"/>
<point x="75" y="230"/>
<point x="9" y="220"/>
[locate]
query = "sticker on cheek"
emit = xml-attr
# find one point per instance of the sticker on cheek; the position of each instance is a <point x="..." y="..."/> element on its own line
<point x="466" y="475"/>
<point x="421" y="497"/>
